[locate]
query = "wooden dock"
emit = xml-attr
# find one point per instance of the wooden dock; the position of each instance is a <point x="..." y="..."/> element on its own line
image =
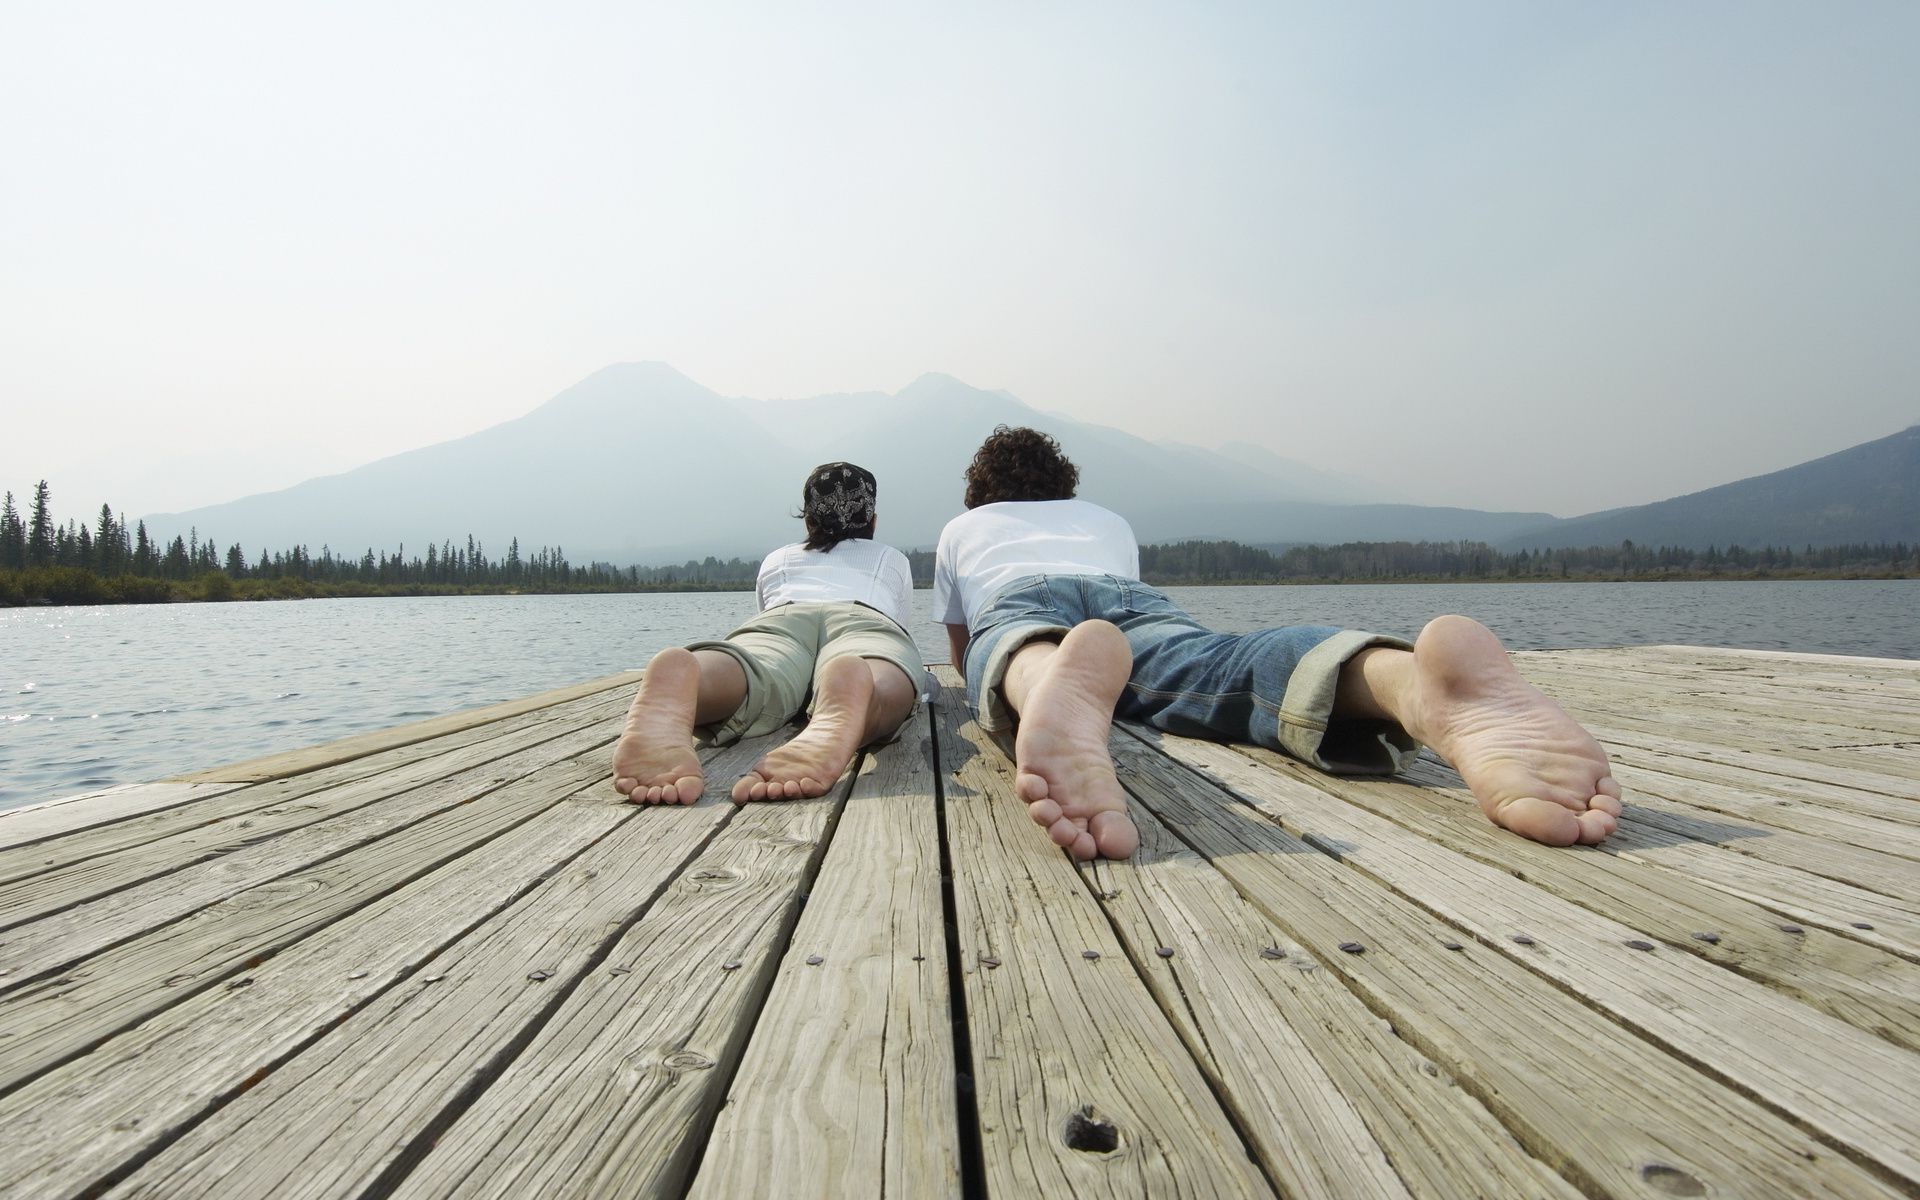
<point x="445" y="961"/>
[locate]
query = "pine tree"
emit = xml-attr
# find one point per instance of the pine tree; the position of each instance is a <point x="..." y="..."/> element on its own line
<point x="40" y="532"/>
<point x="13" y="537"/>
<point x="145" y="561"/>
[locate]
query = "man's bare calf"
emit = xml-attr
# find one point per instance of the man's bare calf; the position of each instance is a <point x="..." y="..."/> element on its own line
<point x="856" y="701"/>
<point x="1064" y="694"/>
<point x="1531" y="766"/>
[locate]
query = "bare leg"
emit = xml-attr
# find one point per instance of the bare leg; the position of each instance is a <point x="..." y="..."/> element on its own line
<point x="856" y="701"/>
<point x="1064" y="694"/>
<point x="654" y="762"/>
<point x="1533" y="769"/>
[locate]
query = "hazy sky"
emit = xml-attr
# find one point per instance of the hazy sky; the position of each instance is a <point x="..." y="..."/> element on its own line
<point x="1509" y="255"/>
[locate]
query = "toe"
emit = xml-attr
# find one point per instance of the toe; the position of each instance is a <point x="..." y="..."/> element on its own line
<point x="1045" y="812"/>
<point x="1084" y="847"/>
<point x="1115" y="834"/>
<point x="624" y="784"/>
<point x="1595" y="825"/>
<point x="1541" y="820"/>
<point x="743" y="788"/>
<point x="1066" y="831"/>
<point x="1030" y="787"/>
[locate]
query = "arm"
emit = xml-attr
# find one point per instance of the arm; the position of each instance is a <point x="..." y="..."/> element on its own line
<point x="957" y="639"/>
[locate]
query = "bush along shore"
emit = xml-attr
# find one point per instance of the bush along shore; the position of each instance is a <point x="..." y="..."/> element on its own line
<point x="42" y="562"/>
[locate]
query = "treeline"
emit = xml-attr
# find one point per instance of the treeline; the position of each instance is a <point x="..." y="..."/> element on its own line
<point x="1360" y="562"/>
<point x="42" y="561"/>
<point x="107" y="562"/>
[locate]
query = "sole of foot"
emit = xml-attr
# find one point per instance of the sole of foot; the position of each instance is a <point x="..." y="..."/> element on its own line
<point x="654" y="761"/>
<point x="1531" y="766"/>
<point x="1062" y="767"/>
<point x="816" y="757"/>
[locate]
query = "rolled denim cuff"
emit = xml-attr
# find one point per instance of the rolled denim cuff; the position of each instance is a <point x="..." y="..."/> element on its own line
<point x="1348" y="745"/>
<point x="990" y="707"/>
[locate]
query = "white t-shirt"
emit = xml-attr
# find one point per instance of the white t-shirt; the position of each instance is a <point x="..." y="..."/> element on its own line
<point x="872" y="573"/>
<point x="984" y="549"/>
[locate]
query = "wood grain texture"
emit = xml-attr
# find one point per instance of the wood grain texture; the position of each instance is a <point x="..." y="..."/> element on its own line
<point x="614" y="1094"/>
<point x="76" y="1127"/>
<point x="1615" y="1114"/>
<point x="30" y="823"/>
<point x="295" y="762"/>
<point x="349" y="1109"/>
<point x="1331" y="1100"/>
<point x="50" y="1019"/>
<point x="1856" y="1089"/>
<point x="867" y="1106"/>
<point x="1861" y="984"/>
<point x="1083" y="1086"/>
<point x="60" y="932"/>
<point x="104" y="857"/>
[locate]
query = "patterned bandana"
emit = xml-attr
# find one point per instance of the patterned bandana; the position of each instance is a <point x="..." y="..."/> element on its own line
<point x="838" y="499"/>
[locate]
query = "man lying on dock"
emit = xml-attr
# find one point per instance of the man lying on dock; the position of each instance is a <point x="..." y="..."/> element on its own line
<point x="831" y="627"/>
<point x="1056" y="635"/>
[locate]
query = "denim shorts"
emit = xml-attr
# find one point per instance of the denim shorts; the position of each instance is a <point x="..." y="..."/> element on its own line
<point x="1272" y="688"/>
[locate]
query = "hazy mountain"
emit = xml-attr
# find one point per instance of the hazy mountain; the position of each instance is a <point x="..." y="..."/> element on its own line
<point x="638" y="463"/>
<point x="1869" y="493"/>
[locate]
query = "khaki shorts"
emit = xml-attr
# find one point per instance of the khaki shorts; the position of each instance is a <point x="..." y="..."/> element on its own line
<point x="783" y="649"/>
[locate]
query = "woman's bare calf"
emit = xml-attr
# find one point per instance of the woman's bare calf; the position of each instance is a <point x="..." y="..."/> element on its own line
<point x="654" y="761"/>
<point x="856" y="701"/>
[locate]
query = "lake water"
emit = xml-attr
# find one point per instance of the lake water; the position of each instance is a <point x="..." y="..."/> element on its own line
<point x="93" y="697"/>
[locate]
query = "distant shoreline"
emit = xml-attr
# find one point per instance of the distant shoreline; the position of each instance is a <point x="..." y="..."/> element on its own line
<point x="191" y="591"/>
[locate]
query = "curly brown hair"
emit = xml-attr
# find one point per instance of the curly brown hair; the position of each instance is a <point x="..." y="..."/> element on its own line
<point x="1020" y="464"/>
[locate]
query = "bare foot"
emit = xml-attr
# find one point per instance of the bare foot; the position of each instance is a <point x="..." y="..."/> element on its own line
<point x="1533" y="769"/>
<point x="654" y="762"/>
<point x="818" y="755"/>
<point x="1061" y="765"/>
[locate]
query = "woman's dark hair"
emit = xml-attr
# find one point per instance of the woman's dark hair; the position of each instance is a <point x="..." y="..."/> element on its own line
<point x="1020" y="464"/>
<point x="837" y="503"/>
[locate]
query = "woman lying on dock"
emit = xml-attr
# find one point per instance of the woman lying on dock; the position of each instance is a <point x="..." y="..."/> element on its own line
<point x="833" y="611"/>
<point x="1054" y="631"/>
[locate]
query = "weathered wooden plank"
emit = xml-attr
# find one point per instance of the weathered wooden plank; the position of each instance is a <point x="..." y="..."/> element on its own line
<point x="1862" y="985"/>
<point x="1796" y="660"/>
<point x="309" y="758"/>
<point x="1654" y="736"/>
<point x="1082" y="1085"/>
<point x="1615" y="1114"/>
<point x="1844" y="692"/>
<point x="869" y="1107"/>
<point x="615" y="1093"/>
<point x="47" y="1021"/>
<point x="126" y="852"/>
<point x="349" y="1109"/>
<point x="1329" y="1097"/>
<point x="71" y="929"/>
<point x="1814" y="794"/>
<point x="1775" y="811"/>
<point x="79" y="1127"/>
<point x="52" y="818"/>
<point x="1854" y="1088"/>
<point x="1887" y="874"/>
<point x="1793" y="726"/>
<point x="1888" y="922"/>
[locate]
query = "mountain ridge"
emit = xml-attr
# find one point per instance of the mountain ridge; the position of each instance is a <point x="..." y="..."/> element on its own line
<point x="639" y="463"/>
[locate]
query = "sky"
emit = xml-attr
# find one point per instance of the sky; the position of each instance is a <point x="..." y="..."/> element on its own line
<point x="1529" y="255"/>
